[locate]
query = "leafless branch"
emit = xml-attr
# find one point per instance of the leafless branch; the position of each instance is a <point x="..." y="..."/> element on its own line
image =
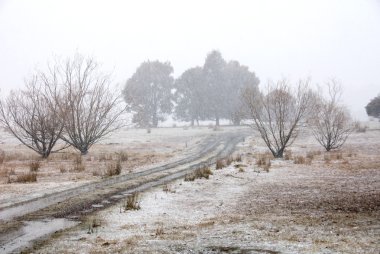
<point x="331" y="122"/>
<point x="278" y="112"/>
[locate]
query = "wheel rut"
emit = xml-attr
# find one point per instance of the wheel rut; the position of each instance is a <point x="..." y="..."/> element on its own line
<point x="65" y="209"/>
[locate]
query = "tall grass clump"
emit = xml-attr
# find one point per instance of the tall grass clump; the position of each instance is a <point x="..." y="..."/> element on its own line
<point x="202" y="172"/>
<point x="264" y="161"/>
<point x="114" y="168"/>
<point x="34" y="166"/>
<point x="132" y="202"/>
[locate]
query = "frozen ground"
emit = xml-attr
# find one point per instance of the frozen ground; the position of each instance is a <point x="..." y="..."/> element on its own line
<point x="58" y="172"/>
<point x="329" y="206"/>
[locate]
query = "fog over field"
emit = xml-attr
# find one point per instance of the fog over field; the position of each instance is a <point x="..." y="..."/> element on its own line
<point x="292" y="39"/>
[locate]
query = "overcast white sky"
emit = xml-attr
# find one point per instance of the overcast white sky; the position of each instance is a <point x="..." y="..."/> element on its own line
<point x="275" y="38"/>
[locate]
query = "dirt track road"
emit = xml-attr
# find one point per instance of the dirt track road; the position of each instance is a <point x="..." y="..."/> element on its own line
<point x="66" y="208"/>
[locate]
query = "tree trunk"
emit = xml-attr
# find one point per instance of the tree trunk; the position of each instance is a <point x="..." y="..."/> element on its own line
<point x="84" y="151"/>
<point x="155" y="120"/>
<point x="192" y="122"/>
<point x="279" y="153"/>
<point x="217" y="121"/>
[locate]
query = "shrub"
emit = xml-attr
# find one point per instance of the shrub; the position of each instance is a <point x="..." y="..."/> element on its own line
<point x="34" y="166"/>
<point x="132" y="202"/>
<point x="26" y="178"/>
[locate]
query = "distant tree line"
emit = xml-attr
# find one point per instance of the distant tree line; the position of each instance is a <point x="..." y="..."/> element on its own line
<point x="71" y="104"/>
<point x="210" y="92"/>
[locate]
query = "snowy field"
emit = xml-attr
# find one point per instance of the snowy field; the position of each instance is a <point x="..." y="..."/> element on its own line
<point x="60" y="171"/>
<point x="328" y="204"/>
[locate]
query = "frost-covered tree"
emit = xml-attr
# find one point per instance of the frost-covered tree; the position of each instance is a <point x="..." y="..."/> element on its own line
<point x="331" y="121"/>
<point x="214" y="78"/>
<point x="87" y="107"/>
<point x="148" y="93"/>
<point x="237" y="79"/>
<point x="190" y="96"/>
<point x="277" y="112"/>
<point x="373" y="107"/>
<point x="29" y="115"/>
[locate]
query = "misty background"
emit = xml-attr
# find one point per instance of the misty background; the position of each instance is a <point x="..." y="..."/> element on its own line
<point x="292" y="39"/>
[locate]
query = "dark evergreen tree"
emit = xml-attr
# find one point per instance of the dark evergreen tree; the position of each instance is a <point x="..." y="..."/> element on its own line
<point x="237" y="79"/>
<point x="148" y="93"/>
<point x="214" y="77"/>
<point x="373" y="107"/>
<point x="190" y="96"/>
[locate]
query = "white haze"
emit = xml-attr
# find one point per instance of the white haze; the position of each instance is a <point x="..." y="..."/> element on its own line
<point x="293" y="39"/>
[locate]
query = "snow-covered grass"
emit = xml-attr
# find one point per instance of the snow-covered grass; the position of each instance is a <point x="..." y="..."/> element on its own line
<point x="63" y="170"/>
<point x="318" y="207"/>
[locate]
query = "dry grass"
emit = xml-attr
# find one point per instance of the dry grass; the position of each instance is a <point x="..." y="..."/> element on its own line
<point x="113" y="168"/>
<point x="359" y="128"/>
<point x="264" y="161"/>
<point x="202" y="172"/>
<point x="24" y="178"/>
<point x="310" y="155"/>
<point x="229" y="160"/>
<point x="220" y="164"/>
<point x="79" y="166"/>
<point x="167" y="188"/>
<point x="160" y="230"/>
<point x="62" y="168"/>
<point x="92" y="223"/>
<point x="288" y="155"/>
<point x="329" y="156"/>
<point x="123" y="156"/>
<point x="299" y="160"/>
<point x="34" y="166"/>
<point x="238" y="158"/>
<point x="132" y="202"/>
<point x="2" y="156"/>
<point x="105" y="157"/>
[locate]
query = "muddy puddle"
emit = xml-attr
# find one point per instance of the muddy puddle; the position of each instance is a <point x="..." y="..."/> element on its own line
<point x="33" y="230"/>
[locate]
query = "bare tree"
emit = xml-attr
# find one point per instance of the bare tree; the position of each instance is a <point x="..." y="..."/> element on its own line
<point x="278" y="112"/>
<point x="29" y="115"/>
<point x="86" y="106"/>
<point x="331" y="121"/>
